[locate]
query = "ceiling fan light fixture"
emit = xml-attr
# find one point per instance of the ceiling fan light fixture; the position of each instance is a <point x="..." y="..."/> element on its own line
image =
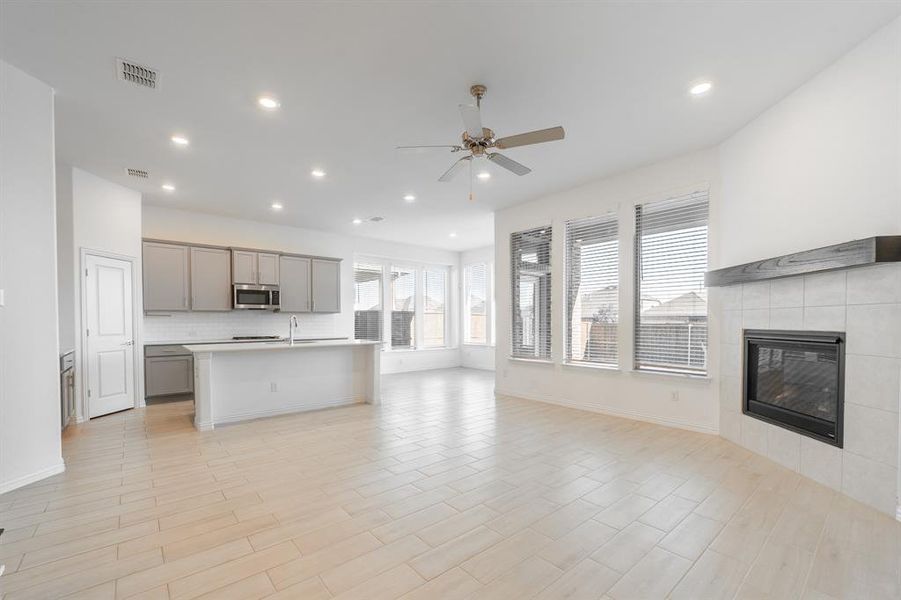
<point x="409" y="198"/>
<point x="357" y="221"/>
<point x="483" y="175"/>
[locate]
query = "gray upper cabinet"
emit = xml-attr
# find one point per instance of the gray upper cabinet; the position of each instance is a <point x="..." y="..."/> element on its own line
<point x="210" y="279"/>
<point x="166" y="276"/>
<point x="267" y="269"/>
<point x="254" y="267"/>
<point x="244" y="266"/>
<point x="326" y="284"/>
<point x="294" y="286"/>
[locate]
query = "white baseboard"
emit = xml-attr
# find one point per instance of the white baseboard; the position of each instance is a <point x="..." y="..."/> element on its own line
<point x="614" y="412"/>
<point x="32" y="477"/>
<point x="284" y="410"/>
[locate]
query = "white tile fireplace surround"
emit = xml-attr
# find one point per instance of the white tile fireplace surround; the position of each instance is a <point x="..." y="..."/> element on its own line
<point x="863" y="302"/>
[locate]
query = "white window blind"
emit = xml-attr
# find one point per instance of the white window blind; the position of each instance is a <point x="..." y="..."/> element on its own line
<point x="531" y="286"/>
<point x="433" y="311"/>
<point x="367" y="302"/>
<point x="403" y="307"/>
<point x="670" y="299"/>
<point x="592" y="290"/>
<point x="475" y="286"/>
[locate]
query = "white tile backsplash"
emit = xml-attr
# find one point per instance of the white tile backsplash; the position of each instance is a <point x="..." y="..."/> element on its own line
<point x="865" y="303"/>
<point x="223" y="325"/>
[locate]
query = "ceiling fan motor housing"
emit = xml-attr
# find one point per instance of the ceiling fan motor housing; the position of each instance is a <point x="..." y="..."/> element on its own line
<point x="478" y="145"/>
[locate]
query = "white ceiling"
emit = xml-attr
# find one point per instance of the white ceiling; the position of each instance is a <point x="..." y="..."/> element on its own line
<point x="356" y="79"/>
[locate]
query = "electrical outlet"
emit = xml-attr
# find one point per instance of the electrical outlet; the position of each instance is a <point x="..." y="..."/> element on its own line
<point x="273" y="387"/>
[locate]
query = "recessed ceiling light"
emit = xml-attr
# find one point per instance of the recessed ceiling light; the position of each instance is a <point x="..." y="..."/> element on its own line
<point x="276" y="206"/>
<point x="484" y="175"/>
<point x="180" y="140"/>
<point x="410" y="198"/>
<point x="357" y="221"/>
<point x="701" y="88"/>
<point x="268" y="102"/>
<point x="168" y="187"/>
<point x="453" y="234"/>
<point x="317" y="173"/>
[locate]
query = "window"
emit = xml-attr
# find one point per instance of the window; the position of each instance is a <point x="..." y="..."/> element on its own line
<point x="531" y="286"/>
<point x="477" y="299"/>
<point x="592" y="290"/>
<point x="670" y="297"/>
<point x="367" y="302"/>
<point x="403" y="307"/>
<point x="434" y="282"/>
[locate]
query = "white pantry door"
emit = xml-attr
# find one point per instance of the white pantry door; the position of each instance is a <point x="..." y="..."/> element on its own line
<point x="109" y="335"/>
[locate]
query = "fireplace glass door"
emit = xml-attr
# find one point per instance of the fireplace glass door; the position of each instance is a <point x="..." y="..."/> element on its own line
<point x="795" y="380"/>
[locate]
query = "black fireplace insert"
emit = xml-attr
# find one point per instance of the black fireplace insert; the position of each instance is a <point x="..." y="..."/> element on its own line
<point x="796" y="380"/>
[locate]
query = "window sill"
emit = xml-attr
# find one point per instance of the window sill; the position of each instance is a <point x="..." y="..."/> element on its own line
<point x="405" y="350"/>
<point x="593" y="367"/>
<point x="532" y="361"/>
<point x="690" y="376"/>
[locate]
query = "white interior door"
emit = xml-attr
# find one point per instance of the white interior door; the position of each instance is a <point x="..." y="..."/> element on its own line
<point x="109" y="335"/>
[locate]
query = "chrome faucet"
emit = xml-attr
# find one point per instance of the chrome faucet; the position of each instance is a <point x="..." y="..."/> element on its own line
<point x="292" y="327"/>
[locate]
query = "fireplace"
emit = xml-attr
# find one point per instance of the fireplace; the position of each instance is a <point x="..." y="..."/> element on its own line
<point x="795" y="379"/>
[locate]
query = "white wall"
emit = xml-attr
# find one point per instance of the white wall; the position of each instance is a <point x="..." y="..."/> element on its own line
<point x="621" y="392"/>
<point x="820" y="167"/>
<point x="474" y="356"/>
<point x="186" y="226"/>
<point x="29" y="368"/>
<point x="105" y="217"/>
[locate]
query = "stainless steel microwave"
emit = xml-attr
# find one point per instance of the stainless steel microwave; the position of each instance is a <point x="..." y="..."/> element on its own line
<point x="255" y="297"/>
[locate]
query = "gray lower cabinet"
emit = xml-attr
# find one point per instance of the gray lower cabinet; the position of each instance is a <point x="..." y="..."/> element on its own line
<point x="211" y="279"/>
<point x="166" y="276"/>
<point x="326" y="285"/>
<point x="168" y="370"/>
<point x="294" y="289"/>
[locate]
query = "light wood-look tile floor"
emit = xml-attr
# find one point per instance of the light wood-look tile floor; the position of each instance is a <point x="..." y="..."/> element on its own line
<point x="442" y="492"/>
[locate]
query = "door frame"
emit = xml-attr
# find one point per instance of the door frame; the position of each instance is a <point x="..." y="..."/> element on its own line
<point x="82" y="408"/>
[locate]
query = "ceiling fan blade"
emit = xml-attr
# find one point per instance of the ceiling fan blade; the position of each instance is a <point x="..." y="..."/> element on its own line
<point x="472" y="120"/>
<point x="532" y="137"/>
<point x="452" y="147"/>
<point x="455" y="168"/>
<point x="509" y="164"/>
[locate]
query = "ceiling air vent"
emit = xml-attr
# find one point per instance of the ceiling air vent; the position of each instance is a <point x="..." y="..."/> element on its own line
<point x="137" y="74"/>
<point x="141" y="173"/>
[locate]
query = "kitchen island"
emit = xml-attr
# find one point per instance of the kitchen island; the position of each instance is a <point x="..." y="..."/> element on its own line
<point x="237" y="382"/>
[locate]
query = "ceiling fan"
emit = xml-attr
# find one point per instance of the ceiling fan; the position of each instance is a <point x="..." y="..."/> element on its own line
<point x="478" y="140"/>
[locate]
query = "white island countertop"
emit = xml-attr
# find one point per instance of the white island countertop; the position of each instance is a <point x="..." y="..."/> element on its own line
<point x="276" y="345"/>
<point x="250" y="380"/>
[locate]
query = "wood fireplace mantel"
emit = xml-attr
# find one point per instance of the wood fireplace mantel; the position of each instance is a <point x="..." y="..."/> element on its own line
<point x="859" y="253"/>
